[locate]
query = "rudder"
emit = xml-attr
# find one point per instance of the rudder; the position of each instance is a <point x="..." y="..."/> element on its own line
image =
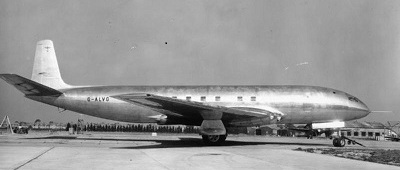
<point x="45" y="67"/>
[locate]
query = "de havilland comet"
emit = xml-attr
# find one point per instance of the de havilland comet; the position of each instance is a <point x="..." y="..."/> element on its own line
<point x="213" y="108"/>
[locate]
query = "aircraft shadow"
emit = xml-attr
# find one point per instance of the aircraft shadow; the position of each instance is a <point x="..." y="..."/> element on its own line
<point x="183" y="142"/>
<point x="54" y="137"/>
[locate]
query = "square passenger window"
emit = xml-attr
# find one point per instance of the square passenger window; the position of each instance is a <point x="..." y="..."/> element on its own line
<point x="253" y="98"/>
<point x="240" y="98"/>
<point x="217" y="98"/>
<point x="203" y="98"/>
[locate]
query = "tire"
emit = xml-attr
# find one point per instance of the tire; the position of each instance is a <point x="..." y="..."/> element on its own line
<point x="213" y="140"/>
<point x="339" y="142"/>
<point x="335" y="142"/>
<point x="342" y="142"/>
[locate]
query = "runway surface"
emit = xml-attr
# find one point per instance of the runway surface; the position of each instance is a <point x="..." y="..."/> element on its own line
<point x="166" y="151"/>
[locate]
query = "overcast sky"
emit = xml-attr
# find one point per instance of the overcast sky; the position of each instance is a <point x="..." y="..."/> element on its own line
<point x="353" y="46"/>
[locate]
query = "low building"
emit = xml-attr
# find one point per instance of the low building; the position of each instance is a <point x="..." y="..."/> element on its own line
<point x="366" y="130"/>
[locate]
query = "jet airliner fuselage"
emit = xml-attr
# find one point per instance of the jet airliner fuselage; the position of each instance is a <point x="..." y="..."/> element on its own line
<point x="301" y="104"/>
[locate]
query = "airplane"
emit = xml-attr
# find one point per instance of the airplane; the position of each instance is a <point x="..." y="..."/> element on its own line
<point x="213" y="108"/>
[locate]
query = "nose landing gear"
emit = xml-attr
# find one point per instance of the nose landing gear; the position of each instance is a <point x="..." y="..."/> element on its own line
<point x="340" y="141"/>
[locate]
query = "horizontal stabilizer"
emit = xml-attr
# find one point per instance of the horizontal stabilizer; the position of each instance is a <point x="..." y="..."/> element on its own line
<point x="29" y="87"/>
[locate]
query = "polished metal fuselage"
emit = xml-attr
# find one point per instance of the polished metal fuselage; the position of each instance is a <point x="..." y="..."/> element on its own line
<point x="299" y="104"/>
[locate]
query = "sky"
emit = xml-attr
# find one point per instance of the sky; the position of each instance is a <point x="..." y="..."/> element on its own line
<point x="352" y="46"/>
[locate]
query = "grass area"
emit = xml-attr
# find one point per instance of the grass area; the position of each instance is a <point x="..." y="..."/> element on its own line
<point x="390" y="157"/>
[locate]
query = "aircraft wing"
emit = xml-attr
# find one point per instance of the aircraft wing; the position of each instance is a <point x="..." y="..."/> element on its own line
<point x="197" y="111"/>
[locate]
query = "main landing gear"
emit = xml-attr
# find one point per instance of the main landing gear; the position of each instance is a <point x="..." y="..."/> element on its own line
<point x="214" y="140"/>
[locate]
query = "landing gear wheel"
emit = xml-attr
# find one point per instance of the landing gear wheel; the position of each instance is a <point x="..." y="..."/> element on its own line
<point x="335" y="141"/>
<point x="342" y="142"/>
<point x="339" y="142"/>
<point x="213" y="139"/>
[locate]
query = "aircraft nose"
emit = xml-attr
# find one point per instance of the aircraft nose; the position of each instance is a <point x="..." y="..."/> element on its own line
<point x="357" y="107"/>
<point x="362" y="109"/>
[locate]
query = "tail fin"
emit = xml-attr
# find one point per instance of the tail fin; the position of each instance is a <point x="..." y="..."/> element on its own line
<point x="45" y="67"/>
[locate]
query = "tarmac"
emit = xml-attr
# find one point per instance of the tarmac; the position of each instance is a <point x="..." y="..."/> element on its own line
<point x="172" y="151"/>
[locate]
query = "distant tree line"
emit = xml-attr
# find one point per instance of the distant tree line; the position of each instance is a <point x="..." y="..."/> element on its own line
<point x="116" y="127"/>
<point x="133" y="128"/>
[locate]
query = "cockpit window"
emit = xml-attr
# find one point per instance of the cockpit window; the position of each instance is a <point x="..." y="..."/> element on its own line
<point x="354" y="99"/>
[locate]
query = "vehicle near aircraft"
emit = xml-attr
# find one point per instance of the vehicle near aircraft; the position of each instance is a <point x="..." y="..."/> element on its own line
<point x="213" y="108"/>
<point x="332" y="132"/>
<point x="392" y="138"/>
<point x="309" y="132"/>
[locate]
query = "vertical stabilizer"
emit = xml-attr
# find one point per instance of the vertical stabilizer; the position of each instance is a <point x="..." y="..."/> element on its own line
<point x="45" y="67"/>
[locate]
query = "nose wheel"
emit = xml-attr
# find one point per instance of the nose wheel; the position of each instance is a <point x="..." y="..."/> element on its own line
<point x="339" y="142"/>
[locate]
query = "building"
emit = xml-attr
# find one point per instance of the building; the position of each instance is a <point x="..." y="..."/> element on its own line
<point x="366" y="130"/>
